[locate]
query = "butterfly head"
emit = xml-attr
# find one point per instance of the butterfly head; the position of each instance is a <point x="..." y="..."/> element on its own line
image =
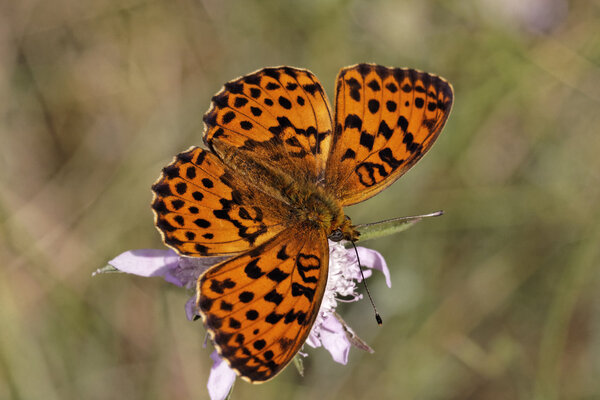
<point x="336" y="236"/>
<point x="345" y="231"/>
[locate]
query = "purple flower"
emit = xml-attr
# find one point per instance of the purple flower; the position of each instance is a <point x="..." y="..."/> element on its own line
<point x="180" y="271"/>
<point x="329" y="330"/>
<point x="221" y="378"/>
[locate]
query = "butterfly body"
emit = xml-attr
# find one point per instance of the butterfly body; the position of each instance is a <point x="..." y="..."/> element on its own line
<point x="304" y="200"/>
<point x="271" y="189"/>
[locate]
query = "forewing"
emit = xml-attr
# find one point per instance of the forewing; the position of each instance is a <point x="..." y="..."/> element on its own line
<point x="259" y="307"/>
<point x="201" y="208"/>
<point x="385" y="121"/>
<point x="275" y="114"/>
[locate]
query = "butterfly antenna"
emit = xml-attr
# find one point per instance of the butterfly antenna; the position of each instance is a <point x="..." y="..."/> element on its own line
<point x="377" y="316"/>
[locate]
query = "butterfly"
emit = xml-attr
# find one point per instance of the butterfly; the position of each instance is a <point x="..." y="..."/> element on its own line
<point x="269" y="191"/>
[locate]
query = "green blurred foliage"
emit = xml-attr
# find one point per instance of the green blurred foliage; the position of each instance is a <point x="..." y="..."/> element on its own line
<point x="497" y="299"/>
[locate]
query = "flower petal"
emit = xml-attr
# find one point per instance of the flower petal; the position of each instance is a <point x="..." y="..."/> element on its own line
<point x="191" y="310"/>
<point x="190" y="269"/>
<point x="373" y="259"/>
<point x="334" y="339"/>
<point x="313" y="340"/>
<point x="175" y="269"/>
<point x="148" y="262"/>
<point x="221" y="378"/>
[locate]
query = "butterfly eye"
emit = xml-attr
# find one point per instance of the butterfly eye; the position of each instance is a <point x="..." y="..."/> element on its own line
<point x="336" y="235"/>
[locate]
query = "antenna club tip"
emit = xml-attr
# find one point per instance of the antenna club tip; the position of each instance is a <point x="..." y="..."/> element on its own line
<point x="379" y="320"/>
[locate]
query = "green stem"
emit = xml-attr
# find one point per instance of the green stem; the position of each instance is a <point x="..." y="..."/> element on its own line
<point x="107" y="269"/>
<point x="390" y="226"/>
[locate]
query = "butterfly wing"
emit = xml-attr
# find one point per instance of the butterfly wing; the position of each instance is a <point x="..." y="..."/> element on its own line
<point x="279" y="115"/>
<point x="385" y="121"/>
<point x="202" y="208"/>
<point x="259" y="307"/>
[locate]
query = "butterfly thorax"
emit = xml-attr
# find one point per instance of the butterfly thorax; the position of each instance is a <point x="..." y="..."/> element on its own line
<point x="307" y="203"/>
<point x="313" y="205"/>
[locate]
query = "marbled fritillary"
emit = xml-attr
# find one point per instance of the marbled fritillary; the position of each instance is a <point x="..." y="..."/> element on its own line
<point x="270" y="191"/>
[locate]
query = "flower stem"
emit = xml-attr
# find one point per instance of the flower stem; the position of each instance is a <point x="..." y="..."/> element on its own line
<point x="107" y="269"/>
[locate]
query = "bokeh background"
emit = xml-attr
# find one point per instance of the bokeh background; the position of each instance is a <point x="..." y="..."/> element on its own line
<point x="497" y="299"/>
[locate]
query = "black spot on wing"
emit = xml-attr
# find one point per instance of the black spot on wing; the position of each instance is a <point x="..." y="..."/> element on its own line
<point x="234" y="87"/>
<point x="366" y="173"/>
<point x="272" y="318"/>
<point x="285" y="103"/>
<point x="355" y="87"/>
<point x="252" y="270"/>
<point x="190" y="172"/>
<point x="255" y="93"/>
<point x="364" y="69"/>
<point x="382" y="71"/>
<point x="385" y="130"/>
<point x="171" y="171"/>
<point x="240" y="102"/>
<point x="353" y="121"/>
<point x="252" y="315"/>
<point x="201" y="249"/>
<point x="277" y="275"/>
<point x="274" y="297"/>
<point x="228" y="117"/>
<point x="177" y="204"/>
<point x="281" y="254"/>
<point x="374" y="85"/>
<point x="311" y="88"/>
<point x="246" y="297"/>
<point x="373" y="106"/>
<point x="367" y="140"/>
<point x="387" y="156"/>
<point x="181" y="187"/>
<point x="349" y="154"/>
<point x="253" y="79"/>
<point x="392" y="87"/>
<point x="403" y="123"/>
<point x="272" y="72"/>
<point x="301" y="290"/>
<point x="246" y="125"/>
<point x="290" y="71"/>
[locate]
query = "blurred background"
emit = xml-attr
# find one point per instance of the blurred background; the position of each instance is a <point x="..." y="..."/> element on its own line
<point x="497" y="299"/>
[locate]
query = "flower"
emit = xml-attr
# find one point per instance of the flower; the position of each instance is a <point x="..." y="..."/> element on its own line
<point x="175" y="269"/>
<point x="329" y="330"/>
<point x="221" y="378"/>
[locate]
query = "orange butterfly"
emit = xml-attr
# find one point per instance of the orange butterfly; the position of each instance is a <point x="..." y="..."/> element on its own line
<point x="270" y="191"/>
